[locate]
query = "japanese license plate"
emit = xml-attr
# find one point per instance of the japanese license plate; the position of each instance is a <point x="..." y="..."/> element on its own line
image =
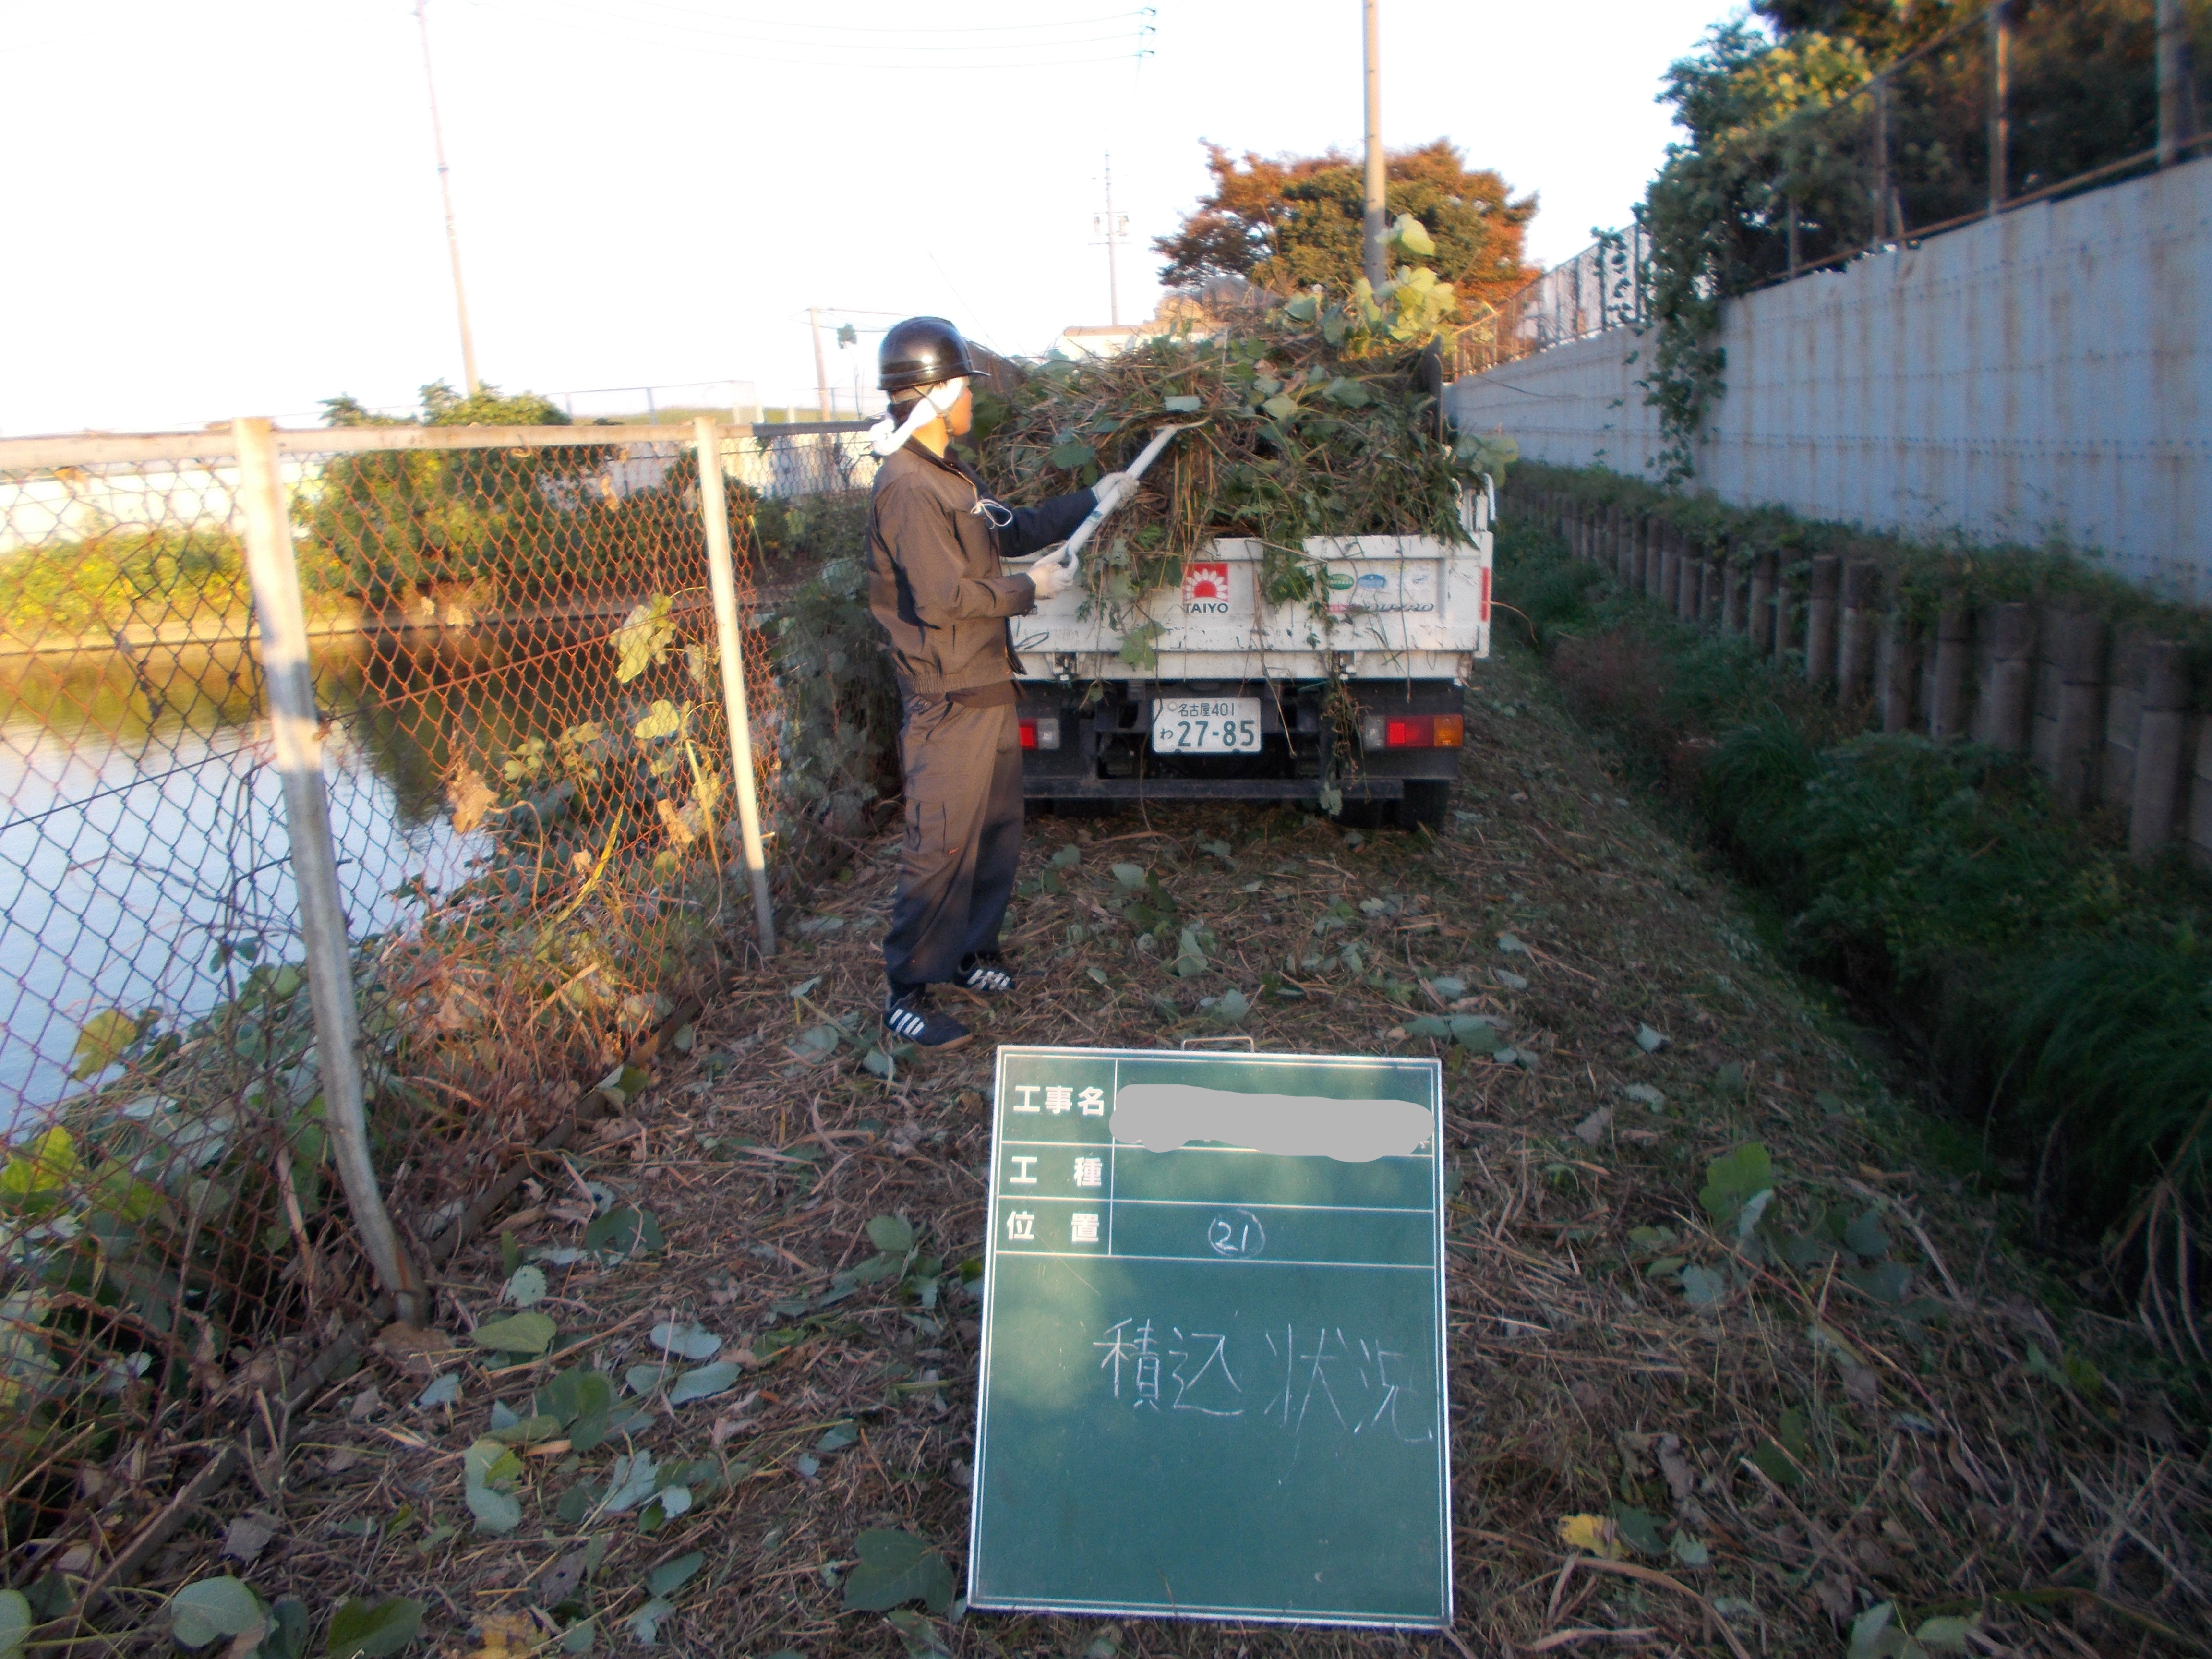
<point x="1205" y="726"/>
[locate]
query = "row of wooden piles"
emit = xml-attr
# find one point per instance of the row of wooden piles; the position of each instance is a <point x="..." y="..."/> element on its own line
<point x="2105" y="713"/>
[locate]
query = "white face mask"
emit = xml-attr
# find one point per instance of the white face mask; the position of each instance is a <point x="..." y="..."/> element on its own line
<point x="885" y="439"/>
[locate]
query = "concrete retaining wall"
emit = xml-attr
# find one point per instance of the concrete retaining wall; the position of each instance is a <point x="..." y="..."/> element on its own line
<point x="2044" y="376"/>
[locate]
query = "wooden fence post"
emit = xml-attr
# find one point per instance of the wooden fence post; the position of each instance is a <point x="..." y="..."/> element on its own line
<point x="1855" y="634"/>
<point x="2200" y="798"/>
<point x="2005" y="699"/>
<point x="2070" y="705"/>
<point x="2162" y="721"/>
<point x="2123" y="707"/>
<point x="1820" y="620"/>
<point x="1659" y="572"/>
<point x="1898" y="663"/>
<point x="1946" y="678"/>
<point x="1712" y="573"/>
<point x="1762" y="602"/>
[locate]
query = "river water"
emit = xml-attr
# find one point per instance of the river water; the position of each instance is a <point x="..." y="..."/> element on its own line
<point x="142" y="825"/>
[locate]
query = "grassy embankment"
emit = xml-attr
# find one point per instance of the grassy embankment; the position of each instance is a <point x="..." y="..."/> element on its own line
<point x="2064" y="995"/>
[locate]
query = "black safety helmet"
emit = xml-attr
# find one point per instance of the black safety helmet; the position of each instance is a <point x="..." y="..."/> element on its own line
<point x="921" y="351"/>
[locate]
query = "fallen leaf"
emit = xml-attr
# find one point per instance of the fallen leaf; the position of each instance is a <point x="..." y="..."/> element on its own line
<point x="505" y="1635"/>
<point x="1594" y="1533"/>
<point x="402" y="1343"/>
<point x="1591" y="1129"/>
<point x="522" y="1333"/>
<point x="1681" y="1477"/>
<point x="247" y="1535"/>
<point x="1704" y="1287"/>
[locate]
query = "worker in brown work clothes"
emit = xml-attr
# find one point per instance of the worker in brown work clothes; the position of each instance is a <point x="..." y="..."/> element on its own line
<point x="937" y="583"/>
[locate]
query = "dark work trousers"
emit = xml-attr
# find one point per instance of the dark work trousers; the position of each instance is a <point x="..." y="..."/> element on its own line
<point x="962" y="768"/>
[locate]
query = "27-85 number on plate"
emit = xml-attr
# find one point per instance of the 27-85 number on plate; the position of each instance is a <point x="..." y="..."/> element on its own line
<point x="1205" y="726"/>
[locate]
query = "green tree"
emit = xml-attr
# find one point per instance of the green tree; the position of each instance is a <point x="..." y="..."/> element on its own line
<point x="1884" y="30"/>
<point x="528" y="524"/>
<point x="1287" y="222"/>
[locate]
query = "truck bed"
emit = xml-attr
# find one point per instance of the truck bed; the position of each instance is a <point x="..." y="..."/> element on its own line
<point x="1406" y="617"/>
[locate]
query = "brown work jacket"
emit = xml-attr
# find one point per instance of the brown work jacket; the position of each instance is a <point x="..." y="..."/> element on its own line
<point x="936" y="579"/>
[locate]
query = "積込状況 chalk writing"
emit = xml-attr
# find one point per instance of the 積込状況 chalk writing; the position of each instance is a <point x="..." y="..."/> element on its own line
<point x="1288" y="1379"/>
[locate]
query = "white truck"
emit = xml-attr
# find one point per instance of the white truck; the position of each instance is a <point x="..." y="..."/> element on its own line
<point x="1240" y="705"/>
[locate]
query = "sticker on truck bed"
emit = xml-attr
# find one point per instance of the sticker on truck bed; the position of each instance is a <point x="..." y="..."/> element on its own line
<point x="1409" y="588"/>
<point x="1205" y="588"/>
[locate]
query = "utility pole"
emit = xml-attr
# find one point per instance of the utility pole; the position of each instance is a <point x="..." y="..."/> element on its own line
<point x="1116" y="226"/>
<point x="1374" y="224"/>
<point x="445" y="190"/>
<point x="821" y="367"/>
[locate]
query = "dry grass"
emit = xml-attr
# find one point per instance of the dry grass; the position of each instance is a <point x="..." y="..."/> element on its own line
<point x="1933" y="1462"/>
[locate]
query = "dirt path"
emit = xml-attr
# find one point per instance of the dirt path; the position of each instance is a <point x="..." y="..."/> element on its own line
<point x="1891" y="1419"/>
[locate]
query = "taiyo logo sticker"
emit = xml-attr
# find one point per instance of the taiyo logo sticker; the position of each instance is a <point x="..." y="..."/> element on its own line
<point x="1205" y="588"/>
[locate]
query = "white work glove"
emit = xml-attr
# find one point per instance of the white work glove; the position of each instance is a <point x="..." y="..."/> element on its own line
<point x="1054" y="574"/>
<point x="1110" y="488"/>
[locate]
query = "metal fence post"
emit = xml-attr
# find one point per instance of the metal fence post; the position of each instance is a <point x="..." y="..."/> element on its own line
<point x="2176" y="101"/>
<point x="1880" y="162"/>
<point x="2000" y="96"/>
<point x="296" y="735"/>
<point x="721" y="578"/>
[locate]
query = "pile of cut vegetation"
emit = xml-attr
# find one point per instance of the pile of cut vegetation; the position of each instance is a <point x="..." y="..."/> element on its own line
<point x="1308" y="418"/>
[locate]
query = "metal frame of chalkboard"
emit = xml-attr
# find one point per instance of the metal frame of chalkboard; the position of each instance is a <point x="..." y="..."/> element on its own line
<point x="1217" y="1614"/>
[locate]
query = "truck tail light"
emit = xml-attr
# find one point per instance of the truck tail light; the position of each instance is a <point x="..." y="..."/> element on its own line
<point x="1412" y="731"/>
<point x="1041" y="732"/>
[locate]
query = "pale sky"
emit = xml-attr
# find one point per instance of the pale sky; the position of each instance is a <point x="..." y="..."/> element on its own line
<point x="230" y="207"/>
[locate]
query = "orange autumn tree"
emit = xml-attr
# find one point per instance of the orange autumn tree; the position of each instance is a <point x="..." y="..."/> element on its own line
<point x="1287" y="222"/>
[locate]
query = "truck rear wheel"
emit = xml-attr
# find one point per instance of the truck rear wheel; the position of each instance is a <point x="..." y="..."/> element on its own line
<point x="1424" y="804"/>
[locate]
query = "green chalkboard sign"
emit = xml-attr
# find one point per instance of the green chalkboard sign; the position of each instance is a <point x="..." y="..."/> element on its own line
<point x="1213" y="1369"/>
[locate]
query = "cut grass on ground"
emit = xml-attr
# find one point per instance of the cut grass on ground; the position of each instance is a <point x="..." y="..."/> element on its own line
<point x="1878" y="1408"/>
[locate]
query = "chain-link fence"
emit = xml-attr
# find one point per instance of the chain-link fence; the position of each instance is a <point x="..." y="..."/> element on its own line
<point x="2013" y="103"/>
<point x="1600" y="288"/>
<point x="517" y="658"/>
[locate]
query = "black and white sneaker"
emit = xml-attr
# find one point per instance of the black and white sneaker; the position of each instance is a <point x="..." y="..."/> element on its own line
<point x="986" y="976"/>
<point x="912" y="1016"/>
